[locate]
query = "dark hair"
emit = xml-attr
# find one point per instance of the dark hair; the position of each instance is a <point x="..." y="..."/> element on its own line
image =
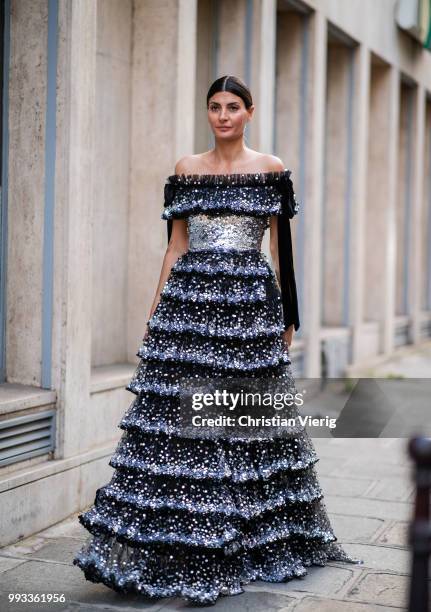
<point x="234" y="85"/>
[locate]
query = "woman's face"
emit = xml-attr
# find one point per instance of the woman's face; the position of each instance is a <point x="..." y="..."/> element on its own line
<point x="227" y="115"/>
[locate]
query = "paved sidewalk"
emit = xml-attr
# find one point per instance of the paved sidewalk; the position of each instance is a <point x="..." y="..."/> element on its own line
<point x="406" y="362"/>
<point x="368" y="494"/>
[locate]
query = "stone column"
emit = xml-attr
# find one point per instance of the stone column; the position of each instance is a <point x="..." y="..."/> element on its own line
<point x="417" y="220"/>
<point x="162" y="131"/>
<point x="231" y="38"/>
<point x="264" y="76"/>
<point x="390" y="212"/>
<point x="246" y="37"/>
<point x="24" y="262"/>
<point x="262" y="59"/>
<point x="313" y="221"/>
<point x="359" y="184"/>
<point x="378" y="298"/>
<point x="337" y="202"/>
<point x="75" y="168"/>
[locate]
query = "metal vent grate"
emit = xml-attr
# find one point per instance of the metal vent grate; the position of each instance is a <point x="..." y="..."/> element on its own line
<point x="26" y="436"/>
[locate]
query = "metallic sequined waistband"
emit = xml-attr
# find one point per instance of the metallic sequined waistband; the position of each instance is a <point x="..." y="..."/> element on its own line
<point x="228" y="231"/>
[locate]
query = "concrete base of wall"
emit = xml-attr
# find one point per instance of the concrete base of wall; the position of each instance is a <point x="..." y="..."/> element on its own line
<point x="35" y="498"/>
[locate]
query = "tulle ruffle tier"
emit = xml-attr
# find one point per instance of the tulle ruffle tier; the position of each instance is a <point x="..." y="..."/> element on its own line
<point x="198" y="575"/>
<point x="257" y="194"/>
<point x="214" y="319"/>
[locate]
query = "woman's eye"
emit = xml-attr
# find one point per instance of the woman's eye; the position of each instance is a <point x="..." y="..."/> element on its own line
<point x="231" y="108"/>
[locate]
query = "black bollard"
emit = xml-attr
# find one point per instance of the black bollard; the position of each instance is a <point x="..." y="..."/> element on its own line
<point x="420" y="532"/>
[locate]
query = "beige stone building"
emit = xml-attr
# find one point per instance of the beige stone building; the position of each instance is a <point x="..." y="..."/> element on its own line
<point x="99" y="99"/>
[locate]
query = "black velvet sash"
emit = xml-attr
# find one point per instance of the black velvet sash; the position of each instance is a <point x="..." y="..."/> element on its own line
<point x="289" y="208"/>
<point x="169" y="222"/>
<point x="287" y="274"/>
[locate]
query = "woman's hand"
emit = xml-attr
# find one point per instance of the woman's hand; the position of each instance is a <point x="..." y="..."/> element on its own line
<point x="147" y="329"/>
<point x="288" y="335"/>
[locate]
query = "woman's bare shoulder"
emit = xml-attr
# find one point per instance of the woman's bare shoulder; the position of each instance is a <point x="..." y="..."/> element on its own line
<point x="272" y="163"/>
<point x="189" y="164"/>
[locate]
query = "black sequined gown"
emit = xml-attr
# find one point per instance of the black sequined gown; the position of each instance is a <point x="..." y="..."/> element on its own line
<point x="199" y="518"/>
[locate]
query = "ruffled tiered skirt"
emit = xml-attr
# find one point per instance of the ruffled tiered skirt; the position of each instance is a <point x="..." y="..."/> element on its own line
<point x="198" y="518"/>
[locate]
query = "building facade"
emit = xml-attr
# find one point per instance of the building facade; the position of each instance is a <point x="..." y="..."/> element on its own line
<point x="99" y="100"/>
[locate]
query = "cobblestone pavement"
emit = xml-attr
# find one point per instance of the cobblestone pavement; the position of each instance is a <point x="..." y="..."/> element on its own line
<point x="410" y="361"/>
<point x="368" y="495"/>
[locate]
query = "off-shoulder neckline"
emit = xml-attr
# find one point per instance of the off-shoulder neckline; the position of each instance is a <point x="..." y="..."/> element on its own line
<point x="237" y="178"/>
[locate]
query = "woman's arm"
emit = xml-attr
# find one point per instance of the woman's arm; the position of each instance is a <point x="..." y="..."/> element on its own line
<point x="273" y="247"/>
<point x="178" y="245"/>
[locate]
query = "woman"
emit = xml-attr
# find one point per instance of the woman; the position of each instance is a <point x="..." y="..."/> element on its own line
<point x="197" y="518"/>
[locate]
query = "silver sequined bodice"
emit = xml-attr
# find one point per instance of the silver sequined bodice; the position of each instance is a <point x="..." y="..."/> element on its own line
<point x="228" y="231"/>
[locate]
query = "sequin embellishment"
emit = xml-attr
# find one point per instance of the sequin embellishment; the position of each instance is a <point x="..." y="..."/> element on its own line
<point x="228" y="231"/>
